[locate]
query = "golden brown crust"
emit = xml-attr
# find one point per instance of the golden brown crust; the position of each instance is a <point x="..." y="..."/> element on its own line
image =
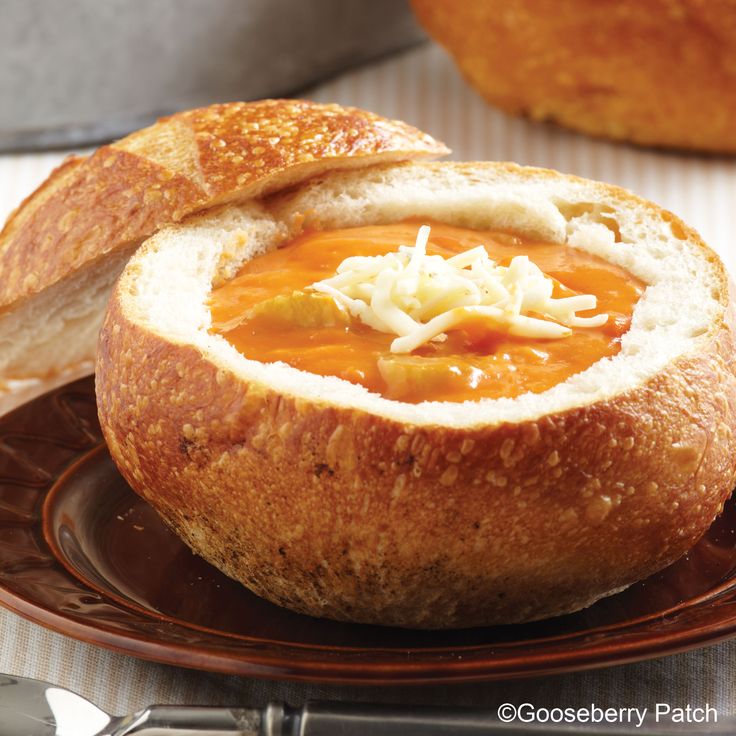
<point x="185" y="163"/>
<point x="343" y="513"/>
<point x="656" y="73"/>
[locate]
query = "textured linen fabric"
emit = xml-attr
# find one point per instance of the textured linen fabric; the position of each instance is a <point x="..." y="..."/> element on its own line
<point x="423" y="88"/>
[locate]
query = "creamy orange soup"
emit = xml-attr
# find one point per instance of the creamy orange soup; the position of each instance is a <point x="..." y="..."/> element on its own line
<point x="474" y="362"/>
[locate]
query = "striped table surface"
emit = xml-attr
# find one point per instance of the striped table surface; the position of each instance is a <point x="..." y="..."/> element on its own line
<point x="423" y="88"/>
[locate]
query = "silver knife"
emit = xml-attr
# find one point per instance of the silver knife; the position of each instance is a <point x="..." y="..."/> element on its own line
<point x="35" y="708"/>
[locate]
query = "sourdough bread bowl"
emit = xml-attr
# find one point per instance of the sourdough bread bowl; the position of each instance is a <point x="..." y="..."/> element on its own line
<point x="334" y="501"/>
<point x="63" y="248"/>
<point x="657" y="73"/>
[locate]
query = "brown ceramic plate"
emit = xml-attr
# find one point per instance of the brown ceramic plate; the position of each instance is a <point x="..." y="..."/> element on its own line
<point x="82" y="554"/>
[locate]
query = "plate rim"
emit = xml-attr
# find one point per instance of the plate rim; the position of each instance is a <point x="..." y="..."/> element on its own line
<point x="449" y="672"/>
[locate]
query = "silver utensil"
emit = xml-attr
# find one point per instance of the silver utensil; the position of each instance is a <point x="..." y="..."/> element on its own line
<point x="35" y="708"/>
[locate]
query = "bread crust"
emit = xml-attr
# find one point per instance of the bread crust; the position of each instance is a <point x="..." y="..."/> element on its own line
<point x="344" y="513"/>
<point x="63" y="248"/>
<point x="659" y="73"/>
<point x="183" y="164"/>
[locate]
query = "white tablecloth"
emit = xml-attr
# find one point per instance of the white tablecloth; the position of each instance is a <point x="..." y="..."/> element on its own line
<point x="423" y="88"/>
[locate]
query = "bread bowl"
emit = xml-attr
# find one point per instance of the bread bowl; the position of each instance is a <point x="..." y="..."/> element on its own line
<point x="335" y="501"/>
<point x="659" y="73"/>
<point x="63" y="248"/>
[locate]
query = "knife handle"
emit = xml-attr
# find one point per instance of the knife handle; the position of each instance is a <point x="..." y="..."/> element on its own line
<point x="314" y="719"/>
<point x="353" y="719"/>
<point x="344" y="719"/>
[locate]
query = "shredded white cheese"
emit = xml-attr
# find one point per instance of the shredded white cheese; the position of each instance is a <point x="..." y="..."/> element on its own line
<point x="420" y="297"/>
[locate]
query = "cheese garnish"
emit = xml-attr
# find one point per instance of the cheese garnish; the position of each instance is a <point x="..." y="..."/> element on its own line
<point x="420" y="297"/>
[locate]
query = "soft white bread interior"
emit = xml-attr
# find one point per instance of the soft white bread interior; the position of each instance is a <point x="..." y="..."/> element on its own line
<point x="334" y="501"/>
<point x="63" y="248"/>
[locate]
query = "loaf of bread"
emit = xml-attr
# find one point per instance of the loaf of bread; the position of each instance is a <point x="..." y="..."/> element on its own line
<point x="658" y="73"/>
<point x="334" y="501"/>
<point x="63" y="248"/>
